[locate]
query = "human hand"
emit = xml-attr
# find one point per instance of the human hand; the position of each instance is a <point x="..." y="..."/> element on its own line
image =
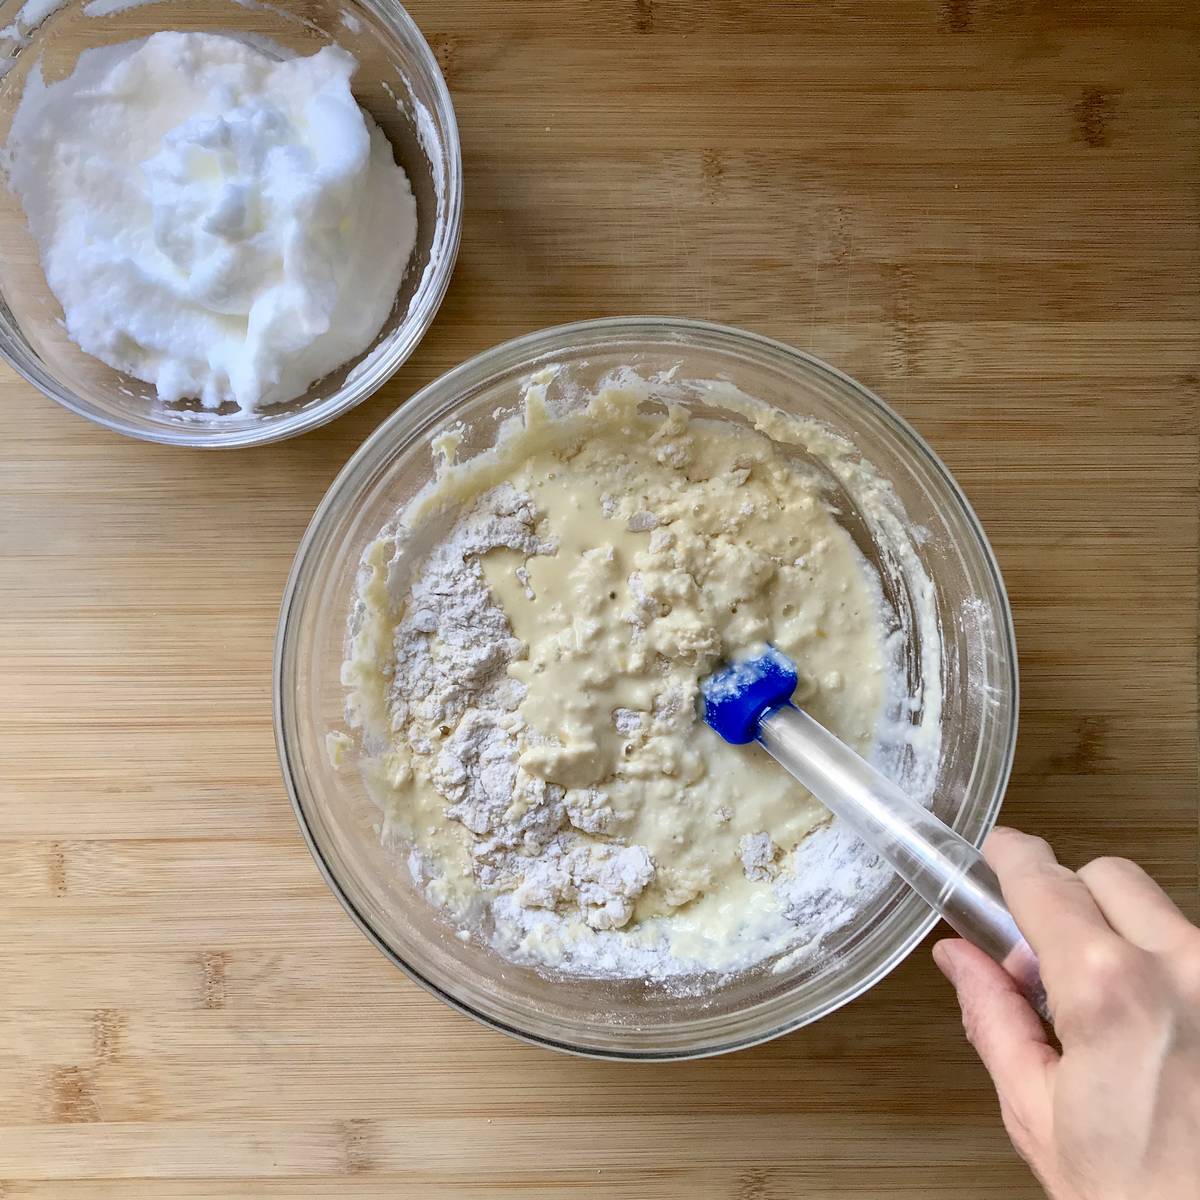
<point x="1116" y="1114"/>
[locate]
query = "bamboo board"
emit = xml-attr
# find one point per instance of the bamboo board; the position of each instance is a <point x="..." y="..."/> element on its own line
<point x="985" y="211"/>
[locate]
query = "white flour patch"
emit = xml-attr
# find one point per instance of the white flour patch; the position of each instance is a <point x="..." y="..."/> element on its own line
<point x="453" y="702"/>
<point x="830" y="878"/>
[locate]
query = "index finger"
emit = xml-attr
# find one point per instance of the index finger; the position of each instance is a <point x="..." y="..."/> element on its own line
<point x="1053" y="907"/>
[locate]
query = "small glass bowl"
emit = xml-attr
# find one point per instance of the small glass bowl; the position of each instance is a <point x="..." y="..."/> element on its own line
<point x="970" y="628"/>
<point x="398" y="82"/>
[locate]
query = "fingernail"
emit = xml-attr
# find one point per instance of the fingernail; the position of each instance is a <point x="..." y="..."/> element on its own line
<point x="943" y="958"/>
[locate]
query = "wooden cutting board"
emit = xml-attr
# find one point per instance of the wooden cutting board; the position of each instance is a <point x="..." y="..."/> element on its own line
<point x="985" y="211"/>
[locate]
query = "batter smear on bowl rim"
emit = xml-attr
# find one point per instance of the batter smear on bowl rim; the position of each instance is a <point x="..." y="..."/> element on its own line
<point x="524" y="696"/>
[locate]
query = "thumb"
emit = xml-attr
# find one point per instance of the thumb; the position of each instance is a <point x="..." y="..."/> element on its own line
<point x="1007" y="1036"/>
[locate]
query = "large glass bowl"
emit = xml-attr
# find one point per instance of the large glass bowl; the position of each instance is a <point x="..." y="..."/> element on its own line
<point x="970" y="628"/>
<point x="398" y="82"/>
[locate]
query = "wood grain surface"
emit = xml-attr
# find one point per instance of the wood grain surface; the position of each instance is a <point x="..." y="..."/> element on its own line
<point x="988" y="212"/>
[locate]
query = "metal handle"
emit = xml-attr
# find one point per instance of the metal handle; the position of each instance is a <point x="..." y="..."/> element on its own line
<point x="949" y="874"/>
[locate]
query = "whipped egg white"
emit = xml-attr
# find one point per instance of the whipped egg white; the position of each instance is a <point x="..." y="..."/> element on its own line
<point x="223" y="224"/>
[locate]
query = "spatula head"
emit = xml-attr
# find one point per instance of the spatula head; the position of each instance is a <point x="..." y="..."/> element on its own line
<point x="738" y="696"/>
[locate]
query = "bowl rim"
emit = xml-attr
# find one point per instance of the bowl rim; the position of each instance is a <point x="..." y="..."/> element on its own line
<point x="527" y="351"/>
<point x="373" y="369"/>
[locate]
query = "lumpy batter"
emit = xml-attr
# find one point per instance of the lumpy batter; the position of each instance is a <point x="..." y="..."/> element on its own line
<point x="529" y="692"/>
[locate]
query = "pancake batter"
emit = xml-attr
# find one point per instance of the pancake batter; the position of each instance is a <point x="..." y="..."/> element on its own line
<point x="529" y="694"/>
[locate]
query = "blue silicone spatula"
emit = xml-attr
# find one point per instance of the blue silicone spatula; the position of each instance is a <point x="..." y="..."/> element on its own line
<point x="750" y="701"/>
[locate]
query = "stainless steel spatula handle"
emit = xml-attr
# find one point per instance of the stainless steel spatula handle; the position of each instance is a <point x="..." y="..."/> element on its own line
<point x="941" y="866"/>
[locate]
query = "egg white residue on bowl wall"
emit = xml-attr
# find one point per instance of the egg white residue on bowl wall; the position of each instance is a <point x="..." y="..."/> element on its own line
<point x="33" y="13"/>
<point x="575" y="899"/>
<point x="30" y="17"/>
<point x="109" y="8"/>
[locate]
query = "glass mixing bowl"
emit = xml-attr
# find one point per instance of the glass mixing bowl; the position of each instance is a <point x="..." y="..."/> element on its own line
<point x="970" y="628"/>
<point x="397" y="82"/>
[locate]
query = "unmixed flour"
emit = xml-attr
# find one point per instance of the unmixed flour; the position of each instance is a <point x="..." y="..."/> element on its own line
<point x="452" y="700"/>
